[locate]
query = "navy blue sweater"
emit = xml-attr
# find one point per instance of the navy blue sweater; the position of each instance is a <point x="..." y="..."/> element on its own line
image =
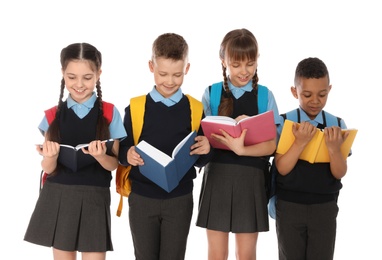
<point x="164" y="127"/>
<point x="245" y="105"/>
<point x="74" y="131"/>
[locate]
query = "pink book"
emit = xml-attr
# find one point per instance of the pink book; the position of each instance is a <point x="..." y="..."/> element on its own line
<point x="260" y="127"/>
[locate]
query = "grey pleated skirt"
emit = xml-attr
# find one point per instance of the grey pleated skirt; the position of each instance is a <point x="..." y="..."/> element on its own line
<point x="72" y="218"/>
<point x="233" y="199"/>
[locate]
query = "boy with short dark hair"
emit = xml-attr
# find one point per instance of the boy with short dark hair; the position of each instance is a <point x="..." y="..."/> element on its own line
<point x="306" y="209"/>
<point x="160" y="220"/>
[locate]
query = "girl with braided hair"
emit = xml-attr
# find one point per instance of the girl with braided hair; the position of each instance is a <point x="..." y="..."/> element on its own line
<point x="72" y="213"/>
<point x="233" y="195"/>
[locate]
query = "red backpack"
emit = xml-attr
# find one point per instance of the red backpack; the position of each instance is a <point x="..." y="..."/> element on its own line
<point x="50" y="114"/>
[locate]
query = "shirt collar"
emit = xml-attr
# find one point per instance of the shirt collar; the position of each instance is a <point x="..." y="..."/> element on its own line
<point x="315" y="121"/>
<point x="239" y="91"/>
<point x="174" y="99"/>
<point x="88" y="103"/>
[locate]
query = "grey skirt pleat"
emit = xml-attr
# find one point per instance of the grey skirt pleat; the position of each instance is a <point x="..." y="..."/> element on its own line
<point x="233" y="199"/>
<point x="72" y="218"/>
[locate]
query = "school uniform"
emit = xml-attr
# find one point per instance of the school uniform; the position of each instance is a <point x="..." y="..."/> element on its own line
<point x="233" y="196"/>
<point x="71" y="204"/>
<point x="306" y="208"/>
<point x="160" y="220"/>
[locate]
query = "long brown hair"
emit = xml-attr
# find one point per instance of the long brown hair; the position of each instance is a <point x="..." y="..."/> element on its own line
<point x="238" y="45"/>
<point x="80" y="51"/>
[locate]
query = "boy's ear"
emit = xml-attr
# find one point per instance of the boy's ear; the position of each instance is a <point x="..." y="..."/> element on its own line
<point x="151" y="66"/>
<point x="294" y="91"/>
<point x="187" y="68"/>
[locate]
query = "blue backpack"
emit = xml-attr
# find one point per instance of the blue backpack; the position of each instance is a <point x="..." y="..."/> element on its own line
<point x="216" y="94"/>
<point x="294" y="115"/>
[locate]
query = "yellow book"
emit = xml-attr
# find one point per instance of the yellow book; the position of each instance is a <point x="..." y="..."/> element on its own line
<point x="316" y="150"/>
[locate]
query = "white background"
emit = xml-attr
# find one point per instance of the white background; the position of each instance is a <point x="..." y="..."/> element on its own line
<point x="344" y="34"/>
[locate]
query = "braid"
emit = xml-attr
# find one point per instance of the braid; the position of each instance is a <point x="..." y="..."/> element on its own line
<point x="82" y="52"/>
<point x="102" y="124"/>
<point x="99" y="95"/>
<point x="237" y="45"/>
<point x="225" y="80"/>
<point x="53" y="133"/>
<point x="255" y="80"/>
<point x="62" y="89"/>
<point x="226" y="104"/>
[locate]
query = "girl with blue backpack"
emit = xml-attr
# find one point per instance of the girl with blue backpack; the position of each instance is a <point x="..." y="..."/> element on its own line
<point x="233" y="196"/>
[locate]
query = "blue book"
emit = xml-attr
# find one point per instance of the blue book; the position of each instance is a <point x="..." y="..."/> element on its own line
<point x="167" y="171"/>
<point x="73" y="157"/>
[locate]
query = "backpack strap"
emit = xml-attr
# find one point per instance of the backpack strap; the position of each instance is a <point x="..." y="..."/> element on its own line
<point x="215" y="96"/>
<point x="293" y="115"/>
<point x="108" y="109"/>
<point x="196" y="112"/>
<point x="50" y="114"/>
<point x="262" y="98"/>
<point x="283" y="116"/>
<point x="137" y="112"/>
<point x="216" y="92"/>
<point x="328" y="119"/>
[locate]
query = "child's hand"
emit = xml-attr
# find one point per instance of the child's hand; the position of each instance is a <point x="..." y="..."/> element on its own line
<point x="202" y="146"/>
<point x="96" y="148"/>
<point x="334" y="138"/>
<point x="133" y="158"/>
<point x="303" y="133"/>
<point x="237" y="119"/>
<point x="234" y="144"/>
<point x="48" y="149"/>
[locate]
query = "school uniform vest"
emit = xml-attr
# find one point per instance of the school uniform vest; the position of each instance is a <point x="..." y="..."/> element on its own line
<point x="74" y="131"/>
<point x="309" y="183"/>
<point x="245" y="105"/>
<point x="164" y="127"/>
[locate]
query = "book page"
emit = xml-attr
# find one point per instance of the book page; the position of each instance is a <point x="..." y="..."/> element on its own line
<point x="316" y="150"/>
<point x="249" y="117"/>
<point x="260" y="128"/>
<point x="154" y="153"/>
<point x="78" y="147"/>
<point x="68" y="146"/>
<point x="220" y="120"/>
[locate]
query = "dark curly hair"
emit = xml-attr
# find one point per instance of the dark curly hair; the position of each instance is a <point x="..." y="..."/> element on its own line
<point x="311" y="68"/>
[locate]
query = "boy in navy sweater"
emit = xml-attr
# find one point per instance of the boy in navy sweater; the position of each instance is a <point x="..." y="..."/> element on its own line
<point x="160" y="220"/>
<point x="306" y="209"/>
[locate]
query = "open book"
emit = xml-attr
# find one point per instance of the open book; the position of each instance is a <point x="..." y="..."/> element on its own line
<point x="73" y="157"/>
<point x="316" y="150"/>
<point x="260" y="128"/>
<point x="166" y="171"/>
